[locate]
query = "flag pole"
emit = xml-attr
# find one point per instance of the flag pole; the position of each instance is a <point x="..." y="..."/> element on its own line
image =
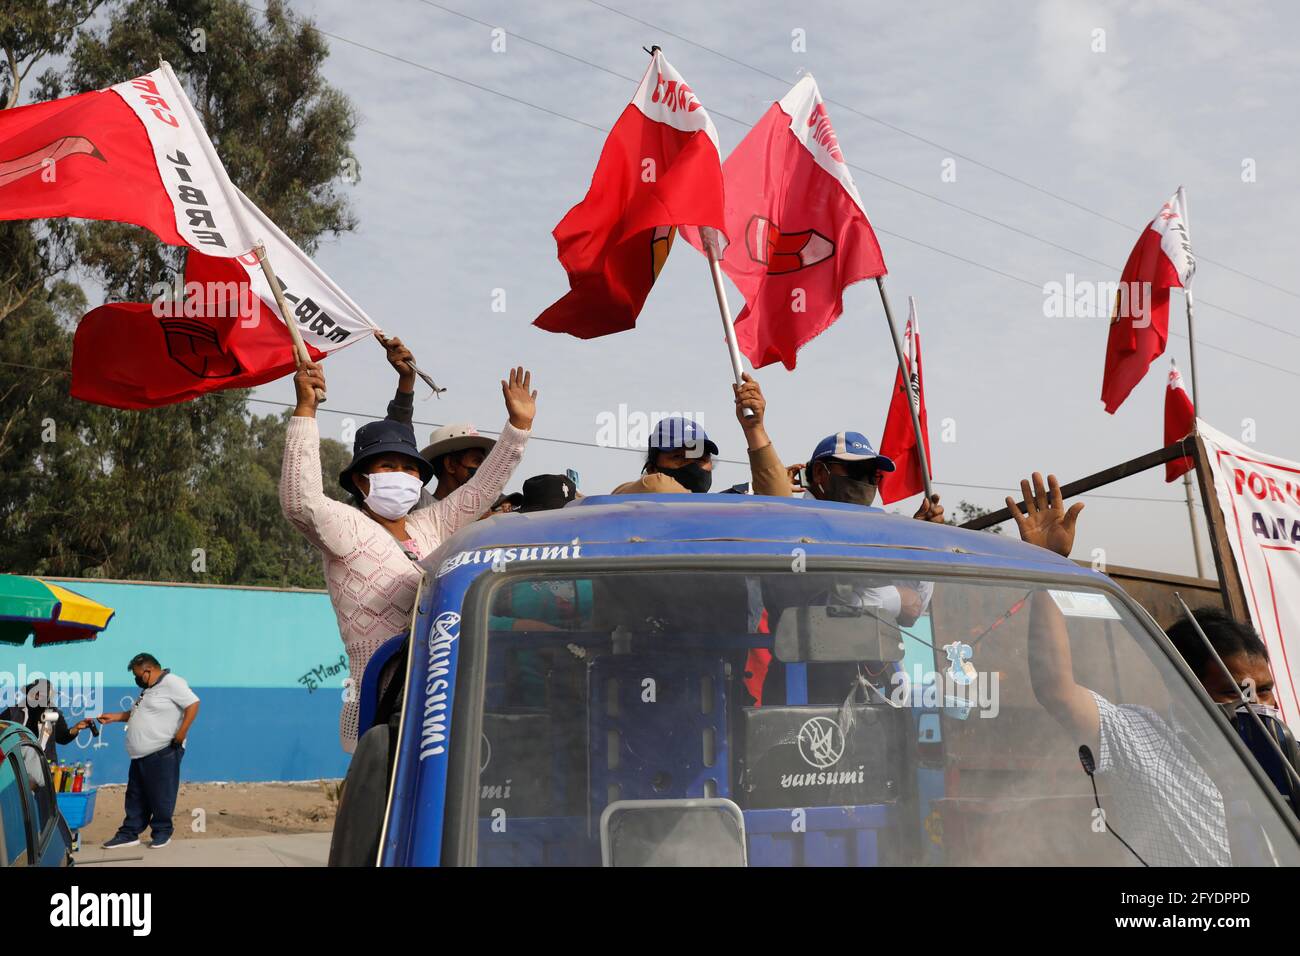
<point x="907" y="382"/>
<point x="1191" y="509"/>
<point x="1187" y="295"/>
<point x="709" y="239"/>
<point x="299" y="347"/>
<point x="1196" y="391"/>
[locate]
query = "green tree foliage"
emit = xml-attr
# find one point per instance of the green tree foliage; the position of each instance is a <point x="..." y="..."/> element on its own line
<point x="186" y="492"/>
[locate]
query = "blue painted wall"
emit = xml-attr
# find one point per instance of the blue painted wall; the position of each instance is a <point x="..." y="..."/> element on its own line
<point x="249" y="655"/>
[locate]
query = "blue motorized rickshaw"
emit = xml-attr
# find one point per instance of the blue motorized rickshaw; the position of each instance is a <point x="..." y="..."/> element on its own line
<point x="725" y="679"/>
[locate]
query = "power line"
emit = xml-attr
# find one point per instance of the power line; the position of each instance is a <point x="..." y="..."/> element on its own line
<point x="575" y="442"/>
<point x="936" y="249"/>
<point x="862" y="169"/>
<point x="929" y="142"/>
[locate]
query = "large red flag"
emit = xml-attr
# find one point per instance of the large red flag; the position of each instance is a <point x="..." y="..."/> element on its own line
<point x="805" y="232"/>
<point x="659" y="169"/>
<point x="1180" y="421"/>
<point x="899" y="438"/>
<point x="225" y="332"/>
<point x="1139" y="327"/>
<point x="135" y="152"/>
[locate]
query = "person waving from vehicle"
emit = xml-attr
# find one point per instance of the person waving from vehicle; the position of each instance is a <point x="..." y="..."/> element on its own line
<point x="679" y="459"/>
<point x="370" y="548"/>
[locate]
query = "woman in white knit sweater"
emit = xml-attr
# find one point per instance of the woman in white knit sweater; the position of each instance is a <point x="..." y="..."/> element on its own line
<point x="370" y="548"/>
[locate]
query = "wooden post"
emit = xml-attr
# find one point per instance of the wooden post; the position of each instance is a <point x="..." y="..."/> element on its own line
<point x="1133" y="466"/>
<point x="1234" y="595"/>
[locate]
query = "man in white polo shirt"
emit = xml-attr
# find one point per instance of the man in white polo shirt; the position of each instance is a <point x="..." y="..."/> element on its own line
<point x="156" y="726"/>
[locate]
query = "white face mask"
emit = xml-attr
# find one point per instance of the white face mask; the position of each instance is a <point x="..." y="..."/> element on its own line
<point x="393" y="493"/>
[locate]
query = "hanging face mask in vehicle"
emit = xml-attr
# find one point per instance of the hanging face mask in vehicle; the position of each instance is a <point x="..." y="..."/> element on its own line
<point x="693" y="477"/>
<point x="393" y="493"/>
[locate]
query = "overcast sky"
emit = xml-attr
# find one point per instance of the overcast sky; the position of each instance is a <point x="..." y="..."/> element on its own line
<point x="460" y="189"/>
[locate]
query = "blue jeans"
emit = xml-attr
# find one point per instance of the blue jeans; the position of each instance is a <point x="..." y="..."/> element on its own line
<point x="151" y="786"/>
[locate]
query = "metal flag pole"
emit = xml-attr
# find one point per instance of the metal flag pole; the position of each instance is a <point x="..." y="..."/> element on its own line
<point x="1187" y="294"/>
<point x="1191" y="509"/>
<point x="1196" y="408"/>
<point x="299" y="347"/>
<point x="709" y="238"/>
<point x="907" y="381"/>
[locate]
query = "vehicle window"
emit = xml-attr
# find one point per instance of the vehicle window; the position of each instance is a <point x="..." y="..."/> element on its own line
<point x="13" y="814"/>
<point x="42" y="790"/>
<point x="854" y="719"/>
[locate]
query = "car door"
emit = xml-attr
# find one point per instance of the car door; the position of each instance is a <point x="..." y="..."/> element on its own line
<point x="15" y="814"/>
<point x="49" y="847"/>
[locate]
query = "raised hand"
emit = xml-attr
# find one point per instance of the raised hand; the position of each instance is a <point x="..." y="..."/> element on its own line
<point x="309" y="384"/>
<point x="930" y="510"/>
<point x="521" y="404"/>
<point x="749" y="396"/>
<point x="1045" y="521"/>
<point x="400" y="358"/>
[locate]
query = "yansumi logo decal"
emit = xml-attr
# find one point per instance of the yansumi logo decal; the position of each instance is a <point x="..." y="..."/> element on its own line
<point x="821" y="745"/>
<point x="498" y="558"/>
<point x="433" y="732"/>
<point x="821" y="742"/>
<point x="487" y="753"/>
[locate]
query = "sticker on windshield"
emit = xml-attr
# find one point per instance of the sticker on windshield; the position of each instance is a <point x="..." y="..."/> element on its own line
<point x="1085" y="604"/>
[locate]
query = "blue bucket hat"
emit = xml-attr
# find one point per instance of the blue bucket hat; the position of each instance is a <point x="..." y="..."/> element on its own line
<point x="678" y="432"/>
<point x="850" y="446"/>
<point x="380" y="438"/>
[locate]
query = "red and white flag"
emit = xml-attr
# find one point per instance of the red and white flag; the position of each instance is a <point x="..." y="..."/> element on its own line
<point x="1139" y="327"/>
<point x="1180" y="421"/>
<point x="660" y="169"/>
<point x="138" y="153"/>
<point x="898" y="441"/>
<point x="799" y="232"/>
<point x="225" y="332"/>
<point x="135" y="152"/>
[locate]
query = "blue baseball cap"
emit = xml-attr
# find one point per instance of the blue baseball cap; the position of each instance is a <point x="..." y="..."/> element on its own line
<point x="677" y="432"/>
<point x="850" y="446"/>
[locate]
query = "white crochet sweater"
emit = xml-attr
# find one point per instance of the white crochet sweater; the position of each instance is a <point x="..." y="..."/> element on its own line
<point x="371" y="581"/>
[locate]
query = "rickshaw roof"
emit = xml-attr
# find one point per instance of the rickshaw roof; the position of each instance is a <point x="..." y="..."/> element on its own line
<point x="652" y="525"/>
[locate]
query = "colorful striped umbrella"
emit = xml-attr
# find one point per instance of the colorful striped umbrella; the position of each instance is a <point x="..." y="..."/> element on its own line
<point x="54" y="614"/>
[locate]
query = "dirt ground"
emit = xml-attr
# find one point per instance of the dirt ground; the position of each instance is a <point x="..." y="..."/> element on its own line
<point x="228" y="810"/>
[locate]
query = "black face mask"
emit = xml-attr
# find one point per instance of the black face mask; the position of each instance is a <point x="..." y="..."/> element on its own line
<point x="141" y="682"/>
<point x="850" y="491"/>
<point x="693" y="477"/>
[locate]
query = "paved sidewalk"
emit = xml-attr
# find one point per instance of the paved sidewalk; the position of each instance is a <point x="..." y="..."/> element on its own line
<point x="298" y="849"/>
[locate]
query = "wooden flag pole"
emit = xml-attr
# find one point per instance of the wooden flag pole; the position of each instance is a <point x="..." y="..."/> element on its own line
<point x="907" y="382"/>
<point x="299" y="347"/>
<point x="709" y="239"/>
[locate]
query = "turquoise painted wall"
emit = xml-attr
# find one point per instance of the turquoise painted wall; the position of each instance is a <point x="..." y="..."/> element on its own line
<point x="249" y="654"/>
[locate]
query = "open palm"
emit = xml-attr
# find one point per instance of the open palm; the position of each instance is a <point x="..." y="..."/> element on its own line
<point x="1045" y="521"/>
<point x="521" y="404"/>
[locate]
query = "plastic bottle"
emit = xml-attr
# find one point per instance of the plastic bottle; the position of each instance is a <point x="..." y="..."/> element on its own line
<point x="86" y="783"/>
<point x="67" y="779"/>
<point x="57" y="773"/>
<point x="78" y="781"/>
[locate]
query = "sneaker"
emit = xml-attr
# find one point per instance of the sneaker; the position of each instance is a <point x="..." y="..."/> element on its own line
<point x="120" y="841"/>
<point x="158" y="844"/>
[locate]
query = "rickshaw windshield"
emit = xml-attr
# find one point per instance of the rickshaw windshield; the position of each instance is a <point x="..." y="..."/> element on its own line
<point x="848" y="718"/>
